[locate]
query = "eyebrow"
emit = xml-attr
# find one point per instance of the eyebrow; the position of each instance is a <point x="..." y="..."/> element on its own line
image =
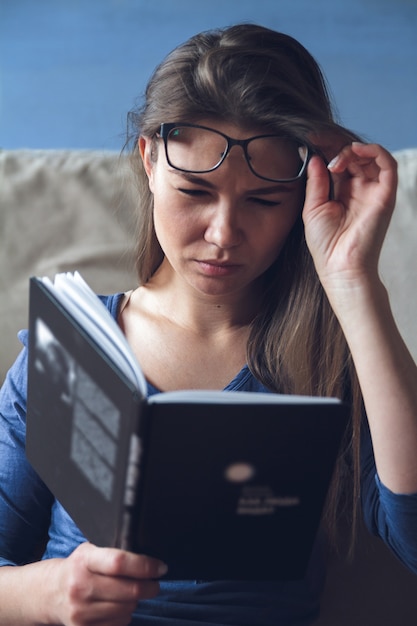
<point x="198" y="180"/>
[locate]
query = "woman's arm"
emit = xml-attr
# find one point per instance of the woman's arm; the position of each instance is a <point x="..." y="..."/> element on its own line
<point x="345" y="236"/>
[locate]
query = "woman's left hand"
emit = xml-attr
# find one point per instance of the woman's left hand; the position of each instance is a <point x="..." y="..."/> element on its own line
<point x="345" y="234"/>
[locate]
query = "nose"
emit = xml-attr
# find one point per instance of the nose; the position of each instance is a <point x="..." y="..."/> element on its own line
<point x="223" y="229"/>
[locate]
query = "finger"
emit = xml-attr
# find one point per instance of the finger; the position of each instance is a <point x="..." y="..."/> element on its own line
<point x="119" y="590"/>
<point x="122" y="563"/>
<point x="347" y="161"/>
<point x="115" y="562"/>
<point x="318" y="187"/>
<point x="369" y="164"/>
<point x="104" y="613"/>
<point x="368" y="161"/>
<point x="381" y="159"/>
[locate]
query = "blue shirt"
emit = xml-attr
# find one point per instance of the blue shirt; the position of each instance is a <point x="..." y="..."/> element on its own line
<point x="28" y="511"/>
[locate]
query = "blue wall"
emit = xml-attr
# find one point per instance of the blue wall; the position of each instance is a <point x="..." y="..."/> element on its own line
<point x="71" y="69"/>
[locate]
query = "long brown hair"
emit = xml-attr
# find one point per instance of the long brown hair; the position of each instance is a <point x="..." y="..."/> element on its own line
<point x="253" y="76"/>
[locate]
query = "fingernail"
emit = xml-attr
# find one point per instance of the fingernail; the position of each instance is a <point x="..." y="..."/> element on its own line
<point x="162" y="569"/>
<point x="333" y="162"/>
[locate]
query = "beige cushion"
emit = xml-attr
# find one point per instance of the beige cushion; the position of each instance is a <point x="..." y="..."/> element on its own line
<point x="399" y="254"/>
<point x="59" y="211"/>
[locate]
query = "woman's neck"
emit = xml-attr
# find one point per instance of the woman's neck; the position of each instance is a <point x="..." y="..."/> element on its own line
<point x="206" y="315"/>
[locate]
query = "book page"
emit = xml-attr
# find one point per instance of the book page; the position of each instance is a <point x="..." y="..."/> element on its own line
<point x="208" y="396"/>
<point x="86" y="308"/>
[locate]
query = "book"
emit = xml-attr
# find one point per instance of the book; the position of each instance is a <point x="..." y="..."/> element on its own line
<point x="219" y="485"/>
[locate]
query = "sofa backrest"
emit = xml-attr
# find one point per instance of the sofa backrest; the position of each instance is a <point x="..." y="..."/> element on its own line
<point x="399" y="254"/>
<point x="65" y="210"/>
<point x="61" y="211"/>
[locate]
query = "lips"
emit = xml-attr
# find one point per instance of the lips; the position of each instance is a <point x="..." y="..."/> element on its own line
<point x="217" y="268"/>
<point x="217" y="263"/>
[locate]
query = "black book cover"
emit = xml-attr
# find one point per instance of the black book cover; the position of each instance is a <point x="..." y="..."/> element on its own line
<point x="227" y="485"/>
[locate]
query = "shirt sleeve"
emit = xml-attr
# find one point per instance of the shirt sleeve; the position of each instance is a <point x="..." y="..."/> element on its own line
<point x="391" y="516"/>
<point x="25" y="501"/>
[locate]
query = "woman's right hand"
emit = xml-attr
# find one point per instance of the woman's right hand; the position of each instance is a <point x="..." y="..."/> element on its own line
<point x="102" y="586"/>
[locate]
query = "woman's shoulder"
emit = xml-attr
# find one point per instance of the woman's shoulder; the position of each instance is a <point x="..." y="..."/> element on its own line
<point x="113" y="302"/>
<point x="246" y="381"/>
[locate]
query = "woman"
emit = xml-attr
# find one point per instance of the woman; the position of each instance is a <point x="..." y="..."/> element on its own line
<point x="260" y="226"/>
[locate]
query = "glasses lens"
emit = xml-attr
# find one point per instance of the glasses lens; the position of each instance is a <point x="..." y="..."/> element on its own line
<point x="276" y="158"/>
<point x="199" y="150"/>
<point x="195" y="149"/>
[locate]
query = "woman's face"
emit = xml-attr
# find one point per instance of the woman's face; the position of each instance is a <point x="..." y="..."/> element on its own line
<point x="220" y="231"/>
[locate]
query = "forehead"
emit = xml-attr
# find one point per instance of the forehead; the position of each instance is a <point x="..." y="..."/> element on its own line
<point x="231" y="129"/>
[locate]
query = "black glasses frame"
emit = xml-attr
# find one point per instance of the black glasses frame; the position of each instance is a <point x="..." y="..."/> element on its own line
<point x="167" y="127"/>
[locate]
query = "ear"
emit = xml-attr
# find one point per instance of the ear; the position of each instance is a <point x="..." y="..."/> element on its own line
<point x="145" y="149"/>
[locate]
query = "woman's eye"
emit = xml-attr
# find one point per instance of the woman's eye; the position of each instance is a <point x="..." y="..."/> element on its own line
<point x="193" y="192"/>
<point x="265" y="203"/>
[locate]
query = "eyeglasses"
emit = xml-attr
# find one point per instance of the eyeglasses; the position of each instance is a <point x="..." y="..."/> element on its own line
<point x="198" y="150"/>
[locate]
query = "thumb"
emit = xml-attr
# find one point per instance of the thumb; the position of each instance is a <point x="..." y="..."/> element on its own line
<point x="319" y="187"/>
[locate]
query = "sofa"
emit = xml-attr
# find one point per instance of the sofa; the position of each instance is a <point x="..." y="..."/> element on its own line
<point x="65" y="210"/>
